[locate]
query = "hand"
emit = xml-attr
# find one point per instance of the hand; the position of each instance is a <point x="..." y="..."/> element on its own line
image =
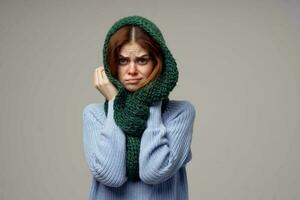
<point x="101" y="83"/>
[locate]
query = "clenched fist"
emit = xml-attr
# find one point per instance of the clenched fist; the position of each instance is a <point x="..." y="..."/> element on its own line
<point x="101" y="83"/>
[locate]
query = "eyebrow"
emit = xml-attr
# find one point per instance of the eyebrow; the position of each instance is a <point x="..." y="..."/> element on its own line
<point x="145" y="55"/>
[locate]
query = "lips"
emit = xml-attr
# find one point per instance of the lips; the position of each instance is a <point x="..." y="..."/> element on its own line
<point x="132" y="81"/>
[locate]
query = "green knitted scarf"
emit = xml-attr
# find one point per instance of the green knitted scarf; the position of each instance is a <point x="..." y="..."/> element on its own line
<point x="131" y="109"/>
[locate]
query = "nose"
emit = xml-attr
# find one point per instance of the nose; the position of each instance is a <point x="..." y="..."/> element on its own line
<point x="132" y="68"/>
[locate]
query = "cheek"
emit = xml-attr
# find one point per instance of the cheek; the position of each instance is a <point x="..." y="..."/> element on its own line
<point x="148" y="73"/>
<point x="120" y="73"/>
<point x="148" y="70"/>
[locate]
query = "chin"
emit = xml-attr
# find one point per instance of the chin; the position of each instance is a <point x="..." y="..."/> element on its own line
<point x="132" y="88"/>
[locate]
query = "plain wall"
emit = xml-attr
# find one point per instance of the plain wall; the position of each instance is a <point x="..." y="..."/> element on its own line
<point x="238" y="63"/>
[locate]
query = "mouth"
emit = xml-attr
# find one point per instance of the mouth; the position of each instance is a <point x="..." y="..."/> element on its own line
<point x="132" y="81"/>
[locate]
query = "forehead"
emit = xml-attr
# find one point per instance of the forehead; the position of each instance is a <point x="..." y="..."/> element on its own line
<point x="132" y="49"/>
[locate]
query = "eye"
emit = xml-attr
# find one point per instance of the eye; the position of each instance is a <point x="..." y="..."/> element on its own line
<point x="143" y="61"/>
<point x="123" y="61"/>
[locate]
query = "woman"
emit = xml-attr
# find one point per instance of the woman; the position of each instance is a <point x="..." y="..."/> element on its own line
<point x="137" y="142"/>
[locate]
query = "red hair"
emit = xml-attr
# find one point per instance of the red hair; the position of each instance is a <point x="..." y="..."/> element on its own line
<point x="124" y="36"/>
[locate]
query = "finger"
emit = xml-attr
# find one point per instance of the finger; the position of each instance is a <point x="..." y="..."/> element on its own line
<point x="99" y="76"/>
<point x="105" y="79"/>
<point x="96" y="79"/>
<point x="100" y="67"/>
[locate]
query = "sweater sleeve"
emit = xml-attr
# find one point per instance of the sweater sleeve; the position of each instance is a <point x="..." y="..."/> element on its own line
<point x="104" y="145"/>
<point x="165" y="148"/>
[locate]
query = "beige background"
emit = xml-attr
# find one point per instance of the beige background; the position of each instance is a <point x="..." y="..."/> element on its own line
<point x="239" y="65"/>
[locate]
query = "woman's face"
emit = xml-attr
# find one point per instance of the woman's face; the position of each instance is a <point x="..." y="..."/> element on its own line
<point x="134" y="66"/>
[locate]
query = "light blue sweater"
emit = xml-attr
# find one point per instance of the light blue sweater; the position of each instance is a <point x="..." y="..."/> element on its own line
<point x="164" y="152"/>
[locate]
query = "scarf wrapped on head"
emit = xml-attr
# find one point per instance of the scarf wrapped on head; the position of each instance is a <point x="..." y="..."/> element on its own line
<point x="131" y="109"/>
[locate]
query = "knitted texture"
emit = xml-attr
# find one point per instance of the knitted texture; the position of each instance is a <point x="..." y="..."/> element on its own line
<point x="131" y="109"/>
